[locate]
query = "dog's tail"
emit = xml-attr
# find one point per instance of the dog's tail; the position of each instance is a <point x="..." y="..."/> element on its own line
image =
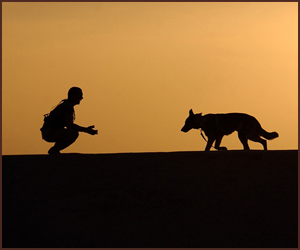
<point x="268" y="135"/>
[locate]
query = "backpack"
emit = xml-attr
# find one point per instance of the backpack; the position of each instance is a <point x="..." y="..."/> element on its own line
<point x="54" y="119"/>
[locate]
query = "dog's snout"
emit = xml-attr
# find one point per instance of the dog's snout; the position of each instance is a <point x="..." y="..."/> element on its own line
<point x="184" y="129"/>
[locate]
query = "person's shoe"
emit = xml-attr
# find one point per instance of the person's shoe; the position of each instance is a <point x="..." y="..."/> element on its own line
<point x="53" y="151"/>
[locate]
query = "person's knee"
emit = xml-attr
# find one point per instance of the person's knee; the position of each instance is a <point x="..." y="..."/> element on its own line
<point x="73" y="134"/>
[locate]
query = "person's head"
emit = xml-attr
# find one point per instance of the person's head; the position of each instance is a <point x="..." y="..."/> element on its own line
<point x="75" y="95"/>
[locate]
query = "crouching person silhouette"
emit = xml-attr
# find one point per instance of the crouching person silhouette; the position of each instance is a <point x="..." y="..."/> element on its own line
<point x="59" y="126"/>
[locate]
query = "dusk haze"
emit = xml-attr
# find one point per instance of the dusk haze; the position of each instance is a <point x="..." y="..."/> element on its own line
<point x="143" y="66"/>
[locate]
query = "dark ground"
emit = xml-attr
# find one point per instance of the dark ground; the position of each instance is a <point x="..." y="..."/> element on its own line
<point x="167" y="200"/>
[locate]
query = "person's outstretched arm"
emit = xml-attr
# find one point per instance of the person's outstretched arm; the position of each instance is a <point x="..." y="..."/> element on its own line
<point x="71" y="125"/>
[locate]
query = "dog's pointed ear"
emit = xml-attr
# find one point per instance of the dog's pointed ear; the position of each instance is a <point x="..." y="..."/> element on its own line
<point x="191" y="112"/>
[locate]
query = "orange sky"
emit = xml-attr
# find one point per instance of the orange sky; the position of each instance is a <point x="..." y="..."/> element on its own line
<point x="142" y="66"/>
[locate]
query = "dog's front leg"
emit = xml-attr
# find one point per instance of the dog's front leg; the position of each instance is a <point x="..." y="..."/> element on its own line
<point x="218" y="142"/>
<point x="209" y="143"/>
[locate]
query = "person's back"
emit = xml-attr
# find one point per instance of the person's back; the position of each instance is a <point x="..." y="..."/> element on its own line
<point x="56" y="118"/>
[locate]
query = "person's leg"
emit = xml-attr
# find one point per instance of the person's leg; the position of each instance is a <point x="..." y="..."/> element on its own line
<point x="62" y="138"/>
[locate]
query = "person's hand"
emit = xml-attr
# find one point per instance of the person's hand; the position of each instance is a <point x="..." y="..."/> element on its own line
<point x="91" y="131"/>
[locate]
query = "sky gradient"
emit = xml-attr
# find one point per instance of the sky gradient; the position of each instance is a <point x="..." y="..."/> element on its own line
<point x="143" y="66"/>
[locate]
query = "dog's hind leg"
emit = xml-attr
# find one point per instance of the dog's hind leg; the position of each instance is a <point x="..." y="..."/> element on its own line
<point x="256" y="138"/>
<point x="244" y="140"/>
<point x="209" y="143"/>
<point x="218" y="142"/>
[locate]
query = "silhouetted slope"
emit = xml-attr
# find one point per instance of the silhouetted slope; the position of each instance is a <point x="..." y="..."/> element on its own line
<point x="181" y="199"/>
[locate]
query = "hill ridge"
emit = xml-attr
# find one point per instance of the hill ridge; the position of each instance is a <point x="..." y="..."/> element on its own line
<point x="152" y="199"/>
